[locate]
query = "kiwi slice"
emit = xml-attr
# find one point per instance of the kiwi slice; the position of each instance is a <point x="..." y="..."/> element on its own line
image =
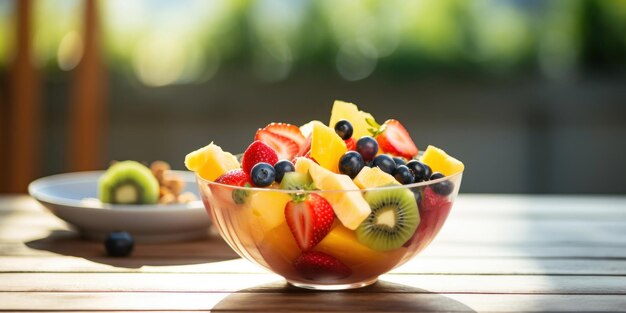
<point x="393" y="220"/>
<point x="128" y="182"/>
<point x="297" y="181"/>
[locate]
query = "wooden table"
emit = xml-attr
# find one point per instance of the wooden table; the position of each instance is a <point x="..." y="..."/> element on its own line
<point x="496" y="253"/>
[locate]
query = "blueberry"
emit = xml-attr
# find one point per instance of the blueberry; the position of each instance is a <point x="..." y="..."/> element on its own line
<point x="418" y="196"/>
<point x="404" y="175"/>
<point x="443" y="188"/>
<point x="281" y="167"/>
<point x="119" y="243"/>
<point x="421" y="171"/>
<point x="344" y="129"/>
<point x="436" y="175"/>
<point x="351" y="163"/>
<point x="367" y="147"/>
<point x="399" y="161"/>
<point x="385" y="163"/>
<point x="262" y="174"/>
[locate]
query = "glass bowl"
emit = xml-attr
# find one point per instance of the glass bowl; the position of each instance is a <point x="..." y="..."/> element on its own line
<point x="253" y="223"/>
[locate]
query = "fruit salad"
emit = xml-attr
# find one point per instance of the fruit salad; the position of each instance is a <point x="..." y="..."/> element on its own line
<point x="333" y="204"/>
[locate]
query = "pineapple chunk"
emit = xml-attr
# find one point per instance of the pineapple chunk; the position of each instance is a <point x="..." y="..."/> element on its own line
<point x="348" y="111"/>
<point x="343" y="244"/>
<point x="440" y="161"/>
<point x="303" y="165"/>
<point x="268" y="208"/>
<point x="211" y="162"/>
<point x="349" y="205"/>
<point x="279" y="249"/>
<point x="370" y="177"/>
<point x="326" y="146"/>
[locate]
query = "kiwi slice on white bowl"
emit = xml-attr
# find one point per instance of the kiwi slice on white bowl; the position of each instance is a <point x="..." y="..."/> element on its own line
<point x="128" y="182"/>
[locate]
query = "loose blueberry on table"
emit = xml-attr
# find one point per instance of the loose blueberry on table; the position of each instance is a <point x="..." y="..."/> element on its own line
<point x="119" y="244"/>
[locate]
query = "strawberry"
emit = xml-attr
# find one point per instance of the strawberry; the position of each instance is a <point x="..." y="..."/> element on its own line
<point x="432" y="201"/>
<point x="350" y="144"/>
<point x="284" y="147"/>
<point x="287" y="130"/>
<point x="434" y="209"/>
<point x="306" y="147"/>
<point x="394" y="139"/>
<point x="316" y="265"/>
<point x="308" y="156"/>
<point x="309" y="218"/>
<point x="257" y="152"/>
<point x="236" y="177"/>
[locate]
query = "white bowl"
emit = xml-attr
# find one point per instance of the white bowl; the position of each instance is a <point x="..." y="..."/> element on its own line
<point x="64" y="195"/>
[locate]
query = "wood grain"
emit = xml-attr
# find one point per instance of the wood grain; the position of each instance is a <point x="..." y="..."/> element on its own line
<point x="312" y="302"/>
<point x="232" y="282"/>
<point x="442" y="266"/>
<point x="495" y="254"/>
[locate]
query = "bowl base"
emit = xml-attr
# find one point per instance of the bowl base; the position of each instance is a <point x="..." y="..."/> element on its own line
<point x="333" y="287"/>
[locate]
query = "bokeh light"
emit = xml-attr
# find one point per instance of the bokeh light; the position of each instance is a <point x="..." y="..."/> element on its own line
<point x="70" y="51"/>
<point x="179" y="42"/>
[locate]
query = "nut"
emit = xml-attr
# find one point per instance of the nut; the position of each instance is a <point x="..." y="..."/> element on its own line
<point x="173" y="182"/>
<point x="168" y="199"/>
<point x="158" y="169"/>
<point x="164" y="191"/>
<point x="187" y="197"/>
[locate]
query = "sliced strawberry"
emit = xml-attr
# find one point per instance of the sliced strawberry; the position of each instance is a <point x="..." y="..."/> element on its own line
<point x="308" y="156"/>
<point x="309" y="220"/>
<point x="393" y="138"/>
<point x="350" y="144"/>
<point x="306" y="147"/>
<point x="258" y="152"/>
<point x="284" y="147"/>
<point x="287" y="130"/>
<point x="236" y="177"/>
<point x="315" y="265"/>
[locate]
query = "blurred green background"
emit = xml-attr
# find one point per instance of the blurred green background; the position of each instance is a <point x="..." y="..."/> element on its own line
<point x="531" y="95"/>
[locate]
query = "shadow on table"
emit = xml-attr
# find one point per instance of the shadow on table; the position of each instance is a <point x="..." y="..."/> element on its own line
<point x="69" y="243"/>
<point x="380" y="297"/>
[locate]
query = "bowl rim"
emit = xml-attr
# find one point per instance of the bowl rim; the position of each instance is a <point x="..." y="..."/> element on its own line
<point x="290" y="191"/>
<point x="36" y="186"/>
